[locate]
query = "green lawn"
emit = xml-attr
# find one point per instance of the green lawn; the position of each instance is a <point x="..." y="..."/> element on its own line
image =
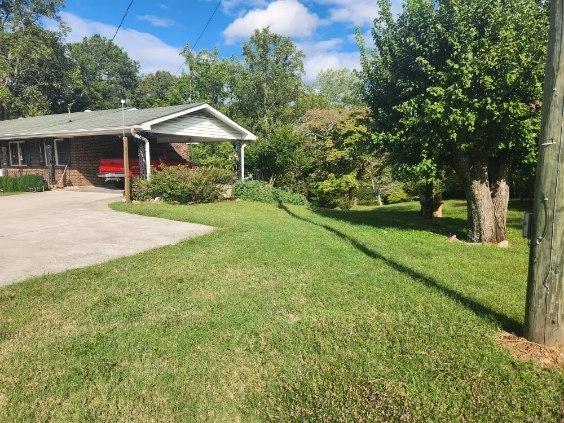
<point x="282" y="314"/>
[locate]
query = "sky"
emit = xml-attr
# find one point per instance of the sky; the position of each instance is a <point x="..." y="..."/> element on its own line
<point x="154" y="32"/>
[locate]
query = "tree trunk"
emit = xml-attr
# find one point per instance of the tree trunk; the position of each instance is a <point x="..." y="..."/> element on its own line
<point x="473" y="173"/>
<point x="431" y="202"/>
<point x="545" y="292"/>
<point x="500" y="198"/>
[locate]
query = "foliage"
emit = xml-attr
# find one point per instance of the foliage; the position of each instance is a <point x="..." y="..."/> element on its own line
<point x="337" y="191"/>
<point x="153" y="90"/>
<point x="216" y="154"/>
<point x="264" y="193"/>
<point x="23" y="183"/>
<point x="210" y="79"/>
<point x="277" y="158"/>
<point x="457" y="84"/>
<point x="339" y="87"/>
<point x="18" y="14"/>
<point x="394" y="193"/>
<point x="33" y="72"/>
<point x="338" y="146"/>
<point x="105" y="73"/>
<point x="184" y="185"/>
<point x="269" y="82"/>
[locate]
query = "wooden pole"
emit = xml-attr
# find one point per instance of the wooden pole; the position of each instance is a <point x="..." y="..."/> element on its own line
<point x="126" y="174"/>
<point x="545" y="302"/>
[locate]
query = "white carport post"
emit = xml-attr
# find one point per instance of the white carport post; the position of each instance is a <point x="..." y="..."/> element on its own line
<point x="148" y="157"/>
<point x="241" y="159"/>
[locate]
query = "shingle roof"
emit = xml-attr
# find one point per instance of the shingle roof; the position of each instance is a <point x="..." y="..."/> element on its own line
<point x="94" y="121"/>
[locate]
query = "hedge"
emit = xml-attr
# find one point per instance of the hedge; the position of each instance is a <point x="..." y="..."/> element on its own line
<point x="264" y="193"/>
<point x="23" y="183"/>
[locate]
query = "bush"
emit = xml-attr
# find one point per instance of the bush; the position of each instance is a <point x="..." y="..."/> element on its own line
<point x="366" y="195"/>
<point x="395" y="194"/>
<point x="181" y="184"/>
<point x="23" y="183"/>
<point x="338" y="191"/>
<point x="264" y="193"/>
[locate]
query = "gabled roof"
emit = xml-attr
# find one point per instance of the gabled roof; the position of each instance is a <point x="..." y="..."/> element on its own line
<point x="105" y="122"/>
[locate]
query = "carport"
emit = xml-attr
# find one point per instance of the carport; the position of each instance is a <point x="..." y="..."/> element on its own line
<point x="67" y="147"/>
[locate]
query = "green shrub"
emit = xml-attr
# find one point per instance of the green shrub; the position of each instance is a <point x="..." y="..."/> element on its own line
<point x="396" y="194"/>
<point x="264" y="193"/>
<point x="140" y="189"/>
<point x="366" y="195"/>
<point x="184" y="185"/>
<point x="23" y="183"/>
<point x="338" y="191"/>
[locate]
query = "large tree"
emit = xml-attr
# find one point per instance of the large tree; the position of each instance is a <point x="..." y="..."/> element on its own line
<point x="339" y="87"/>
<point x="153" y="90"/>
<point x="458" y="83"/>
<point x="104" y="74"/>
<point x="17" y="14"/>
<point x="270" y="81"/>
<point x="33" y="64"/>
<point x="209" y="78"/>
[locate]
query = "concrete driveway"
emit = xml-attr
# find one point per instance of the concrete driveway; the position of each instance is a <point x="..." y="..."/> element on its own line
<point x="65" y="229"/>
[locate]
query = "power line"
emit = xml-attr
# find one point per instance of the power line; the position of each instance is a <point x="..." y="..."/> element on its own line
<point x="207" y="23"/>
<point x="106" y="51"/>
<point x="122" y="19"/>
<point x="202" y="32"/>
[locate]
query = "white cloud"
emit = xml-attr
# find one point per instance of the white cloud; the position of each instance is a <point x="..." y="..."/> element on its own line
<point x="156" y="21"/>
<point x="287" y="17"/>
<point x="357" y="12"/>
<point x="151" y="52"/>
<point x="327" y="54"/>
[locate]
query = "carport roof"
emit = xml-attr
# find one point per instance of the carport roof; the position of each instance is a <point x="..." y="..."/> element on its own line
<point x="102" y="122"/>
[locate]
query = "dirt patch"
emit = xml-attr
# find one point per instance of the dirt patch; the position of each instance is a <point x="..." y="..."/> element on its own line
<point x="522" y="349"/>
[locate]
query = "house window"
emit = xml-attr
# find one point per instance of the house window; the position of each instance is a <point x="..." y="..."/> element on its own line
<point x="16" y="153"/>
<point x="42" y="154"/>
<point x="62" y="152"/>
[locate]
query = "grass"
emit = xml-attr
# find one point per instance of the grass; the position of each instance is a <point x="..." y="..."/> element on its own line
<point x="282" y="314"/>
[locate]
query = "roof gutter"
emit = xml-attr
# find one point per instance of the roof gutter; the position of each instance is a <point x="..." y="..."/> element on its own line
<point x="66" y="134"/>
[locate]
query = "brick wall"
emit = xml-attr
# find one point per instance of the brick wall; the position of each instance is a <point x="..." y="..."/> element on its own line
<point x="181" y="149"/>
<point x="85" y="154"/>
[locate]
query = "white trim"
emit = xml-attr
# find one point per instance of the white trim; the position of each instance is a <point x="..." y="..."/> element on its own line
<point x="42" y="147"/>
<point x="146" y="126"/>
<point x="21" y="161"/>
<point x="69" y="134"/>
<point x="247" y="135"/>
<point x="55" y="150"/>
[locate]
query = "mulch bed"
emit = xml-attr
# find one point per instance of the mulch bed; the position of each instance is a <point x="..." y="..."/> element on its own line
<point x="523" y="349"/>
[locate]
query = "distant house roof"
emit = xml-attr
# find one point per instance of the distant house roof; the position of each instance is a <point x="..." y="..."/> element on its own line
<point x="186" y="120"/>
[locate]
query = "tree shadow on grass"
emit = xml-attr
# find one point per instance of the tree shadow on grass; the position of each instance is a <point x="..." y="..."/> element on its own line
<point x="401" y="217"/>
<point x="505" y="322"/>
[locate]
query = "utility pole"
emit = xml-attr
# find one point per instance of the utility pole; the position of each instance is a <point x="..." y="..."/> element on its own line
<point x="126" y="173"/>
<point x="545" y="294"/>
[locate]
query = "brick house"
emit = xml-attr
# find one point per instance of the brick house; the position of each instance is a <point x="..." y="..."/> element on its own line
<point x="71" y="145"/>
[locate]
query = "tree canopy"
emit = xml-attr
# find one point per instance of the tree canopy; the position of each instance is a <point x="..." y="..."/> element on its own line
<point x="340" y="87"/>
<point x="458" y="84"/>
<point x="270" y="80"/>
<point x="103" y="75"/>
